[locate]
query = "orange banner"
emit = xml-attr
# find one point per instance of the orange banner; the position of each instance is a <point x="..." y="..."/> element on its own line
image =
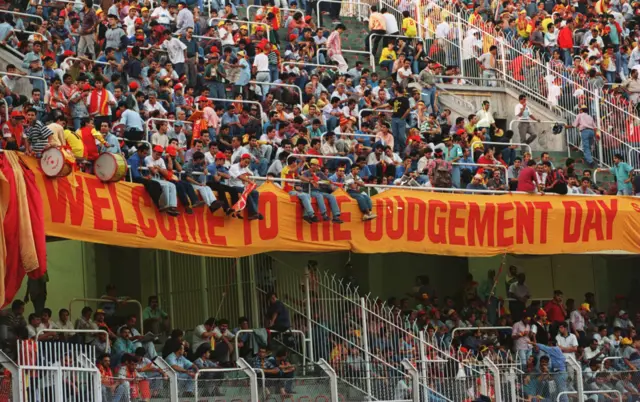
<point x="408" y="221"/>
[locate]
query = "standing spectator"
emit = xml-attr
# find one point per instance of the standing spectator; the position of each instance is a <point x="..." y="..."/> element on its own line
<point x="525" y="127"/>
<point x="277" y="314"/>
<point x="38" y="135"/>
<point x="377" y="30"/>
<point x="587" y="127"/>
<point x="577" y="320"/>
<point x="401" y="110"/>
<point x="86" y="45"/>
<point x="567" y="342"/>
<point x="520" y="292"/>
<point x="520" y="335"/>
<point x="623" y="172"/>
<point x="334" y="48"/>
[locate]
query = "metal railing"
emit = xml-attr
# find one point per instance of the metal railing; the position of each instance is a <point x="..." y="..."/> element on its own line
<point x="87" y="60"/>
<point x="297" y="88"/>
<point x="76" y="331"/>
<point x="243" y="367"/>
<point x="295" y="63"/>
<point x="240" y="22"/>
<point x="263" y="119"/>
<point x="506" y="144"/>
<point x="486" y="166"/>
<point x="583" y="393"/>
<point x="150" y="121"/>
<point x="127" y="301"/>
<point x="459" y="99"/>
<point x="293" y="331"/>
<point x="346" y="134"/>
<point x="292" y="11"/>
<point x="372" y="111"/>
<point x="31" y="77"/>
<point x="23" y="15"/>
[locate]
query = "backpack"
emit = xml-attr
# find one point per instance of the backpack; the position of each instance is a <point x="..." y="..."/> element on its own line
<point x="442" y="174"/>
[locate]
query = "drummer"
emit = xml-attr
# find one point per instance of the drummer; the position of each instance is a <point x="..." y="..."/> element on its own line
<point x="198" y="166"/>
<point x="57" y="127"/>
<point x="111" y="141"/>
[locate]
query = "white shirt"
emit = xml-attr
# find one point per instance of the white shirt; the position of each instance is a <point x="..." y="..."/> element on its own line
<point x="130" y="23"/>
<point x="160" y="139"/>
<point x="569" y="341"/>
<point x="391" y="22"/>
<point x="525" y="115"/>
<point x="164" y="16"/>
<point x="226" y="37"/>
<point x="261" y="62"/>
<point x="404" y="73"/>
<point x="197" y="337"/>
<point x="442" y="30"/>
<point x="634" y="59"/>
<point x="235" y="171"/>
<point x="577" y="320"/>
<point x="175" y="48"/>
<point x="470" y="47"/>
<point x="158" y="163"/>
<point x="156" y="106"/>
<point x="485" y="118"/>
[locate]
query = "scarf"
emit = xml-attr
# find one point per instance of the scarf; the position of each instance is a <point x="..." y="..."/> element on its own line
<point x="103" y="108"/>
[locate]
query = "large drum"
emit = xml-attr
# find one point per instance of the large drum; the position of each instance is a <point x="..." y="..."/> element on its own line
<point x="55" y="162"/>
<point x="110" y="167"/>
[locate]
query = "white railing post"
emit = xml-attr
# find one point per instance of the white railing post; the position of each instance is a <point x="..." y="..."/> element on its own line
<point x="460" y="38"/>
<point x="308" y="312"/>
<point x="58" y="395"/>
<point x="415" y="380"/>
<point x="503" y="56"/>
<point x="423" y="356"/>
<point x="497" y="383"/>
<point x="16" y="376"/>
<point x="173" y="378"/>
<point x="599" y="127"/>
<point x="365" y="346"/>
<point x="253" y="377"/>
<point x="577" y="369"/>
<point x="333" y="379"/>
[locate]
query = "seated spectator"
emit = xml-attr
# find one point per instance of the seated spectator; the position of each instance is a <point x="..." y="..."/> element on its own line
<point x="317" y="183"/>
<point x="240" y="174"/>
<point x="185" y="370"/>
<point x="112" y="388"/>
<point x="364" y="201"/>
<point x="121" y="346"/>
<point x="154" y="318"/>
<point x="176" y="338"/>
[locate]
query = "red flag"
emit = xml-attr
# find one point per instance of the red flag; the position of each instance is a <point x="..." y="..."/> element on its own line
<point x="242" y="201"/>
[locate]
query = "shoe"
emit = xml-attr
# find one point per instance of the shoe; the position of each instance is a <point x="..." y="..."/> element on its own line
<point x="188" y="210"/>
<point x="336" y="219"/>
<point x="308" y="218"/>
<point x="254" y="217"/>
<point x="372" y="216"/>
<point x="314" y="219"/>
<point x="260" y="217"/>
<point x="173" y="212"/>
<point x="216" y="205"/>
<point x="198" y="204"/>
<point x="532" y="138"/>
<point x="325" y="217"/>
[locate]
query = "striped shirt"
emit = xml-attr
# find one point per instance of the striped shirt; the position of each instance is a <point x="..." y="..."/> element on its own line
<point x="38" y="135"/>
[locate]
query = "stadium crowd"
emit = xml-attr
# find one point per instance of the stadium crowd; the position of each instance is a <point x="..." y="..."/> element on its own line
<point x="207" y="106"/>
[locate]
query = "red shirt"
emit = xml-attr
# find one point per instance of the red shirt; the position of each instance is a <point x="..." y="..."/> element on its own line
<point x="554" y="312"/>
<point x="527" y="180"/>
<point x="565" y="38"/>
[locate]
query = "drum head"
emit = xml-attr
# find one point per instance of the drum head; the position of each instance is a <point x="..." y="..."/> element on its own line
<point x="105" y="167"/>
<point x="52" y="162"/>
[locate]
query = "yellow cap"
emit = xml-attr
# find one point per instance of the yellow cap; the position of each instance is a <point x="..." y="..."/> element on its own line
<point x="314" y="161"/>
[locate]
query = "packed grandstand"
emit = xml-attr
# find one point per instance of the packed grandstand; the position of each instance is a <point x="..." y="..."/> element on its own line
<point x="202" y="102"/>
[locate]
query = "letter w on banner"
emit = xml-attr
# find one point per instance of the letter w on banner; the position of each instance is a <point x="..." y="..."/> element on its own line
<point x="242" y="201"/>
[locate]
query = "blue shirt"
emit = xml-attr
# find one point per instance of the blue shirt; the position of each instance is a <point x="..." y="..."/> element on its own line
<point x="621" y="172"/>
<point x="134" y="164"/>
<point x="173" y="360"/>
<point x="131" y="119"/>
<point x="228" y="119"/>
<point x="245" y="73"/>
<point x="268" y="363"/>
<point x="114" y="144"/>
<point x="556" y="358"/>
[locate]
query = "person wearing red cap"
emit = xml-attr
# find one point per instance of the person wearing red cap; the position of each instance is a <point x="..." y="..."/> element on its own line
<point x="240" y="174"/>
<point x="218" y="179"/>
<point x="157" y="169"/>
<point x="261" y="69"/>
<point x="13" y="132"/>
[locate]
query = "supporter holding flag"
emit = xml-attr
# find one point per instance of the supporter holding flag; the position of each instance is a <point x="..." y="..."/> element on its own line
<point x="240" y="180"/>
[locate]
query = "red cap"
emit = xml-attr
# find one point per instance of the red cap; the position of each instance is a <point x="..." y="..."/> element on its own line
<point x="307" y="18"/>
<point x="220" y="155"/>
<point x="214" y="49"/>
<point x="86" y="87"/>
<point x="133" y="85"/>
<point x="293" y="37"/>
<point x="139" y="37"/>
<point x="177" y="87"/>
<point x="245" y="156"/>
<point x="158" y="29"/>
<point x="68" y="53"/>
<point x="138" y="21"/>
<point x="259" y="28"/>
<point x="171" y="150"/>
<point x="460" y="131"/>
<point x="202" y="99"/>
<point x="17" y="114"/>
<point x="541" y="313"/>
<point x="158" y="148"/>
